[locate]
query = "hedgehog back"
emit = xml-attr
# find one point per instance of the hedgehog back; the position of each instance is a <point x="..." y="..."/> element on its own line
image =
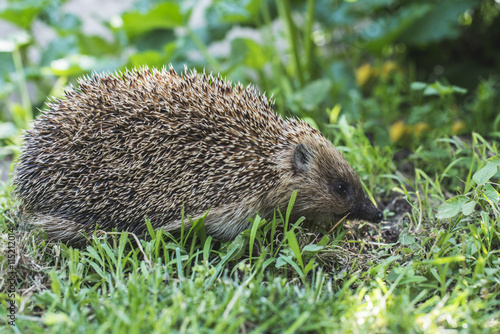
<point x="145" y="143"/>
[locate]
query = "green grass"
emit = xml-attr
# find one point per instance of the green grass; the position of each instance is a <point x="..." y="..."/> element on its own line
<point x="425" y="150"/>
<point x="439" y="273"/>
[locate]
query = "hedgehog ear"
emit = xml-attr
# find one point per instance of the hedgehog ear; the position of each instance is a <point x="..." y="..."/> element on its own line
<point x="301" y="157"/>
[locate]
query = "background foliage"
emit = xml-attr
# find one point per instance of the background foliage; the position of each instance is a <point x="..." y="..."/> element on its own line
<point x="409" y="91"/>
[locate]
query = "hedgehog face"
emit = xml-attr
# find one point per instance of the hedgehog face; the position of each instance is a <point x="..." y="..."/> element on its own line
<point x="328" y="188"/>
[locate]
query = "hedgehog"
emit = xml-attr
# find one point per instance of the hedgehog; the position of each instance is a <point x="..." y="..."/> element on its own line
<point x="152" y="144"/>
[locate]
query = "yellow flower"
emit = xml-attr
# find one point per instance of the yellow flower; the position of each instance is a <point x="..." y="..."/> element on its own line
<point x="364" y="73"/>
<point x="398" y="131"/>
<point x="388" y="67"/>
<point x="420" y="128"/>
<point x="457" y="127"/>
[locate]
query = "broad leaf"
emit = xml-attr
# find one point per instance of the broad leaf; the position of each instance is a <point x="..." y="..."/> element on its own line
<point x="468" y="208"/>
<point x="485" y="174"/>
<point x="7" y="129"/>
<point x="312" y="248"/>
<point x="451" y="207"/>
<point x="439" y="23"/>
<point x="490" y="193"/>
<point x="164" y="16"/>
<point x="495" y="160"/>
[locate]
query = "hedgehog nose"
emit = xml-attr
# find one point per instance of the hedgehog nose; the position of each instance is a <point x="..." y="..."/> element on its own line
<point x="366" y="210"/>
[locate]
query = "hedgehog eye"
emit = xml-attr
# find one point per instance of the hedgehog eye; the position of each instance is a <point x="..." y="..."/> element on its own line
<point x="340" y="188"/>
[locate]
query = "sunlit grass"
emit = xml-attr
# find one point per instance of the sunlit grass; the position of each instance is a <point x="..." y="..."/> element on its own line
<point x="276" y="277"/>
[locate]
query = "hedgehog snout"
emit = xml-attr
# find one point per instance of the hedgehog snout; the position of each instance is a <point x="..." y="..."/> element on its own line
<point x="366" y="210"/>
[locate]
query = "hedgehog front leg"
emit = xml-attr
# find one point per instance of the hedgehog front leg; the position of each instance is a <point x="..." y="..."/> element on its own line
<point x="226" y="222"/>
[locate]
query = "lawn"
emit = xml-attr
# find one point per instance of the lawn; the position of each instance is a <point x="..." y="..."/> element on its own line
<point x="409" y="92"/>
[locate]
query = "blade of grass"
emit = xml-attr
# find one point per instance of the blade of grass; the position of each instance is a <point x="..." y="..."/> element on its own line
<point x="253" y="233"/>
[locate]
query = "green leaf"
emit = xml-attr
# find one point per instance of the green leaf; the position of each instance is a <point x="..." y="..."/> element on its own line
<point x="451" y="207"/>
<point x="312" y="248"/>
<point x="294" y="246"/>
<point x="166" y="15"/>
<point x="313" y="94"/>
<point x="311" y="122"/>
<point x="237" y="248"/>
<point x="280" y="262"/>
<point x="310" y="265"/>
<point x="431" y="90"/>
<point x="440" y="22"/>
<point x="7" y="129"/>
<point x="64" y="23"/>
<point x="206" y="249"/>
<point x="59" y="48"/>
<point x="495" y="160"/>
<point x="19" y="114"/>
<point x="253" y="234"/>
<point x="387" y="30"/>
<point x="490" y="193"/>
<point x="438" y="88"/>
<point x="23" y="13"/>
<point x="444" y="260"/>
<point x="289" y="208"/>
<point x="56" y="318"/>
<point x="236" y="11"/>
<point x="485" y="174"/>
<point x="468" y="208"/>
<point x="413" y="279"/>
<point x="287" y="259"/>
<point x="150" y="58"/>
<point x="408" y="277"/>
<point x="97" y="46"/>
<point x="479" y="267"/>
<point x="71" y="65"/>
<point x="248" y="52"/>
<point x="406" y="239"/>
<point x="459" y="90"/>
<point x="417" y="85"/>
<point x="6" y="66"/>
<point x="199" y="227"/>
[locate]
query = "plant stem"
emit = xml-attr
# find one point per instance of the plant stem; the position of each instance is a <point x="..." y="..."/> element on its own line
<point x="204" y="51"/>
<point x="23" y="87"/>
<point x="307" y="35"/>
<point x="279" y="75"/>
<point x="286" y="14"/>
